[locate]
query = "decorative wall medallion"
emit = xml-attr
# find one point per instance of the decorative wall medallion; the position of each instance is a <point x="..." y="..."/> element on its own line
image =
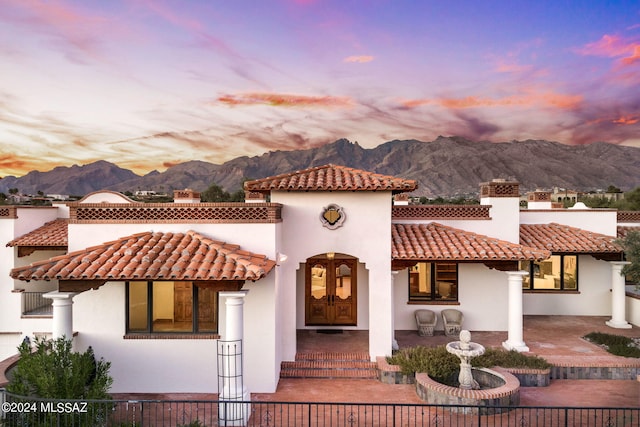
<point x="332" y="217"/>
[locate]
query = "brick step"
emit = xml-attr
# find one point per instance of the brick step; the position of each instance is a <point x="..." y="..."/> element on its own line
<point x="329" y="373"/>
<point x="323" y="355"/>
<point x="330" y="365"/>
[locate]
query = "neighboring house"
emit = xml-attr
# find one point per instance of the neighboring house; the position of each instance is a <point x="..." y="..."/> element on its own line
<point x="157" y="288"/>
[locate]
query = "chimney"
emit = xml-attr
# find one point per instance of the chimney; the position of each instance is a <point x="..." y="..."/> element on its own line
<point x="504" y="198"/>
<point x="500" y="188"/>
<point x="186" y="196"/>
<point x="401" y="199"/>
<point x="254" y="197"/>
<point x="539" y="199"/>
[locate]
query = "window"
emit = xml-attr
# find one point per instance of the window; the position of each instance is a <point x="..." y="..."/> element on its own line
<point x="433" y="281"/>
<point x="559" y="272"/>
<point x="177" y="307"/>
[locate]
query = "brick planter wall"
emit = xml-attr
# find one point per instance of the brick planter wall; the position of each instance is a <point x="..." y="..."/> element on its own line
<point x="531" y="377"/>
<point x="391" y="374"/>
<point x="505" y="393"/>
<point x="595" y="372"/>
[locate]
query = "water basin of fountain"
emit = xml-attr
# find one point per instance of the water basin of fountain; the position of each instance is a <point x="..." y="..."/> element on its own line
<point x="489" y="392"/>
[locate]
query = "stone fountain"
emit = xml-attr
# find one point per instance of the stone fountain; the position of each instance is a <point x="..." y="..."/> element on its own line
<point x="494" y="391"/>
<point x="466" y="350"/>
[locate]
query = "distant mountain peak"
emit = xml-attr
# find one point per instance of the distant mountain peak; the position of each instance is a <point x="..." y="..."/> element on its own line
<point x="445" y="166"/>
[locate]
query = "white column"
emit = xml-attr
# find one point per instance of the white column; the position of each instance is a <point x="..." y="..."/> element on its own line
<point x="380" y="312"/>
<point x="618" y="309"/>
<point x="62" y="313"/>
<point x="394" y="345"/>
<point x="231" y="347"/>
<point x="514" y="338"/>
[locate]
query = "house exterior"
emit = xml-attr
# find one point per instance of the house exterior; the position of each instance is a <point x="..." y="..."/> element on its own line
<point x="159" y="288"/>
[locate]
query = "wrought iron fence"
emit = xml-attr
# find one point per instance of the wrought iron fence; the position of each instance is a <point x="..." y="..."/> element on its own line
<point x="34" y="304"/>
<point x="19" y="412"/>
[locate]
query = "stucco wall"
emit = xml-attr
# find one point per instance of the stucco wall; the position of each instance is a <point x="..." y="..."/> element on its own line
<point x="157" y="365"/>
<point x="601" y="221"/>
<point x="593" y="299"/>
<point x="504" y="218"/>
<point x="633" y="310"/>
<point x="365" y="234"/>
<point x="478" y="288"/>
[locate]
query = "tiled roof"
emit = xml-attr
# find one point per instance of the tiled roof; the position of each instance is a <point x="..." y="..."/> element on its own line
<point x="331" y="178"/>
<point x="53" y="233"/>
<point x="562" y="238"/>
<point x="435" y="242"/>
<point x="624" y="230"/>
<point x="152" y="256"/>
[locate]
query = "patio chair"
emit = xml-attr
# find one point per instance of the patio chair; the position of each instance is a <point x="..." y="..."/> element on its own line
<point x="426" y="321"/>
<point x="452" y="320"/>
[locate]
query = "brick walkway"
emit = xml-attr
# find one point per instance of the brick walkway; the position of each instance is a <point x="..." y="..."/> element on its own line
<point x="556" y="338"/>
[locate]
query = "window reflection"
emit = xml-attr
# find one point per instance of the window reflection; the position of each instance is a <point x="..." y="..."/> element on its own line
<point x="343" y="281"/>
<point x="172" y="306"/>
<point x="433" y="281"/>
<point x="559" y="272"/>
<point x="318" y="281"/>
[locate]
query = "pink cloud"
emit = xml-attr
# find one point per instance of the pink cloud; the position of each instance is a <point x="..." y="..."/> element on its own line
<point x="635" y="56"/>
<point x="286" y="100"/>
<point x="614" y="47"/>
<point x="359" y="59"/>
<point x="627" y="120"/>
<point x="550" y="99"/>
<point x="80" y="31"/>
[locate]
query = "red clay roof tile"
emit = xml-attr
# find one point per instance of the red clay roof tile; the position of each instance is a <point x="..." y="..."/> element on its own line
<point x="152" y="256"/>
<point x="437" y="242"/>
<point x="53" y="233"/>
<point x="331" y="178"/>
<point x="563" y="238"/>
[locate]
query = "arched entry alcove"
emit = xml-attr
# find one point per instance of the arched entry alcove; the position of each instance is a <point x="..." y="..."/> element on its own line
<point x="331" y="290"/>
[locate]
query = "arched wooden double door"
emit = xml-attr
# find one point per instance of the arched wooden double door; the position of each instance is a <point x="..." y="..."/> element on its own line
<point x="330" y="290"/>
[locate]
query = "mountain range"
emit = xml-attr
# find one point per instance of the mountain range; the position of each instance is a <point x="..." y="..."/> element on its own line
<point x="447" y="166"/>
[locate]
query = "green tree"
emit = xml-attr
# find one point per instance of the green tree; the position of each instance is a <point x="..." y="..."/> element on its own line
<point x="215" y="193"/>
<point x="631" y="245"/>
<point x="237" y="196"/>
<point x="631" y="201"/>
<point x="13" y="191"/>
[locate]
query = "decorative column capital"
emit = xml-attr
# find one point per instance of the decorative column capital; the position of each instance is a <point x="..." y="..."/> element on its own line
<point x="60" y="298"/>
<point x="234" y="297"/>
<point x="519" y="273"/>
<point x="618" y="265"/>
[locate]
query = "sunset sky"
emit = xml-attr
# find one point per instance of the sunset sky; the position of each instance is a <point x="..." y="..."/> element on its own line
<point x="148" y="84"/>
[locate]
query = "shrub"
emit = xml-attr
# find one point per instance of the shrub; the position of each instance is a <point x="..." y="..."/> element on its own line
<point x="443" y="366"/>
<point x="53" y="371"/>
<point x="435" y="361"/>
<point x="509" y="359"/>
<point x="615" y="344"/>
